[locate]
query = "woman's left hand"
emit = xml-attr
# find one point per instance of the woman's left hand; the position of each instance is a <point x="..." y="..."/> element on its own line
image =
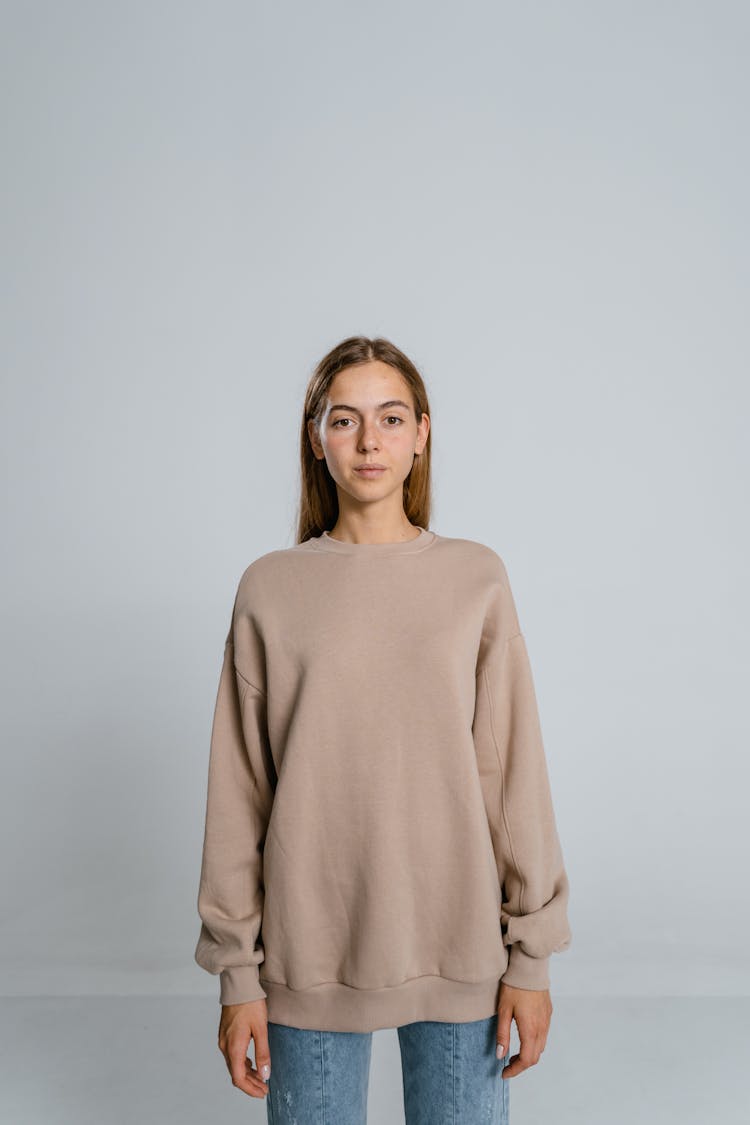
<point x="532" y="1011"/>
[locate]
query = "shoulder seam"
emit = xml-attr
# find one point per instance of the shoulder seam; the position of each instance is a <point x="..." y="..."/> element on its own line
<point x="246" y="682"/>
<point x="489" y="663"/>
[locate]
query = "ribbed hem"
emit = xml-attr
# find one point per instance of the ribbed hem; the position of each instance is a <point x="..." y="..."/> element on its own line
<point x="239" y="985"/>
<point x="526" y="972"/>
<point x="338" y="1007"/>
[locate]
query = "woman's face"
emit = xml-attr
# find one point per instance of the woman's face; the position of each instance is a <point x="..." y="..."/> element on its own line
<point x="369" y="419"/>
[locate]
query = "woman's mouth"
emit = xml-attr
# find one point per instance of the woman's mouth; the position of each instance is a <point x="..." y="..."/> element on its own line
<point x="370" y="470"/>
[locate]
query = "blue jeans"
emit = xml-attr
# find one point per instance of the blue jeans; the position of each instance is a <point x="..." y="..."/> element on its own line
<point x="449" y="1071"/>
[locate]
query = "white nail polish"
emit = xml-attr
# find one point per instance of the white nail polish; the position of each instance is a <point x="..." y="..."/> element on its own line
<point x="500" y="1050"/>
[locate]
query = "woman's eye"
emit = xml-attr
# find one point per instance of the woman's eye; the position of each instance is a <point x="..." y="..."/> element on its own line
<point x="390" y="418"/>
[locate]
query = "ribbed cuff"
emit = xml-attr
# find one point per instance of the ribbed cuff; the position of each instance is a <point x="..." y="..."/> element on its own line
<point x="526" y="972"/>
<point x="240" y="985"/>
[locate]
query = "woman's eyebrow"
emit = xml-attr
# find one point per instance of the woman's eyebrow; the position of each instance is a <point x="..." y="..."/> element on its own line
<point x="380" y="406"/>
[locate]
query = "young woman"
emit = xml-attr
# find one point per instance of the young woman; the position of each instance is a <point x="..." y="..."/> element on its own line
<point x="380" y="843"/>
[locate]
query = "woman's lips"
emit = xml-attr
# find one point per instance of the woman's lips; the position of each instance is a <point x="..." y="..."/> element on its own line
<point x="369" y="472"/>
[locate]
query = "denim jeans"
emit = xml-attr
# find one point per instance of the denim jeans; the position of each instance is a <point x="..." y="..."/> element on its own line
<point x="449" y="1072"/>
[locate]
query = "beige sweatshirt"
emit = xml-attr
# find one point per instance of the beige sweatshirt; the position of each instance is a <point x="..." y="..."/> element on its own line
<point x="380" y="842"/>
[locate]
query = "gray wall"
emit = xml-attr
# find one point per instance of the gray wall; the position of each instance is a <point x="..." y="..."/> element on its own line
<point x="544" y="205"/>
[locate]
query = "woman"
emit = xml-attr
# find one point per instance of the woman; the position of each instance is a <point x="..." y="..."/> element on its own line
<point x="380" y="842"/>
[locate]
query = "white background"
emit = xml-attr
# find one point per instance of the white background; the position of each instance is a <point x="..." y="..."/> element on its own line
<point x="545" y="206"/>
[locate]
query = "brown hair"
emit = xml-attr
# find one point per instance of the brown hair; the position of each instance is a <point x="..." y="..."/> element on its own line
<point x="318" y="504"/>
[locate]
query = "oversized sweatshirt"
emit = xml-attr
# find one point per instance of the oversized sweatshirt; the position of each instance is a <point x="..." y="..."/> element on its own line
<point x="380" y="842"/>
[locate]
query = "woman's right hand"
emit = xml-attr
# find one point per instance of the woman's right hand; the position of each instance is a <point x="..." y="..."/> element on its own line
<point x="239" y="1024"/>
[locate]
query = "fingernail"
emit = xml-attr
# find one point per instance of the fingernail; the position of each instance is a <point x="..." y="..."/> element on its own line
<point x="500" y="1050"/>
<point x="265" y="1072"/>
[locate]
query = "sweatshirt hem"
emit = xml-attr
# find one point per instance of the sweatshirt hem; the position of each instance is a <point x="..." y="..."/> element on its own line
<point x="339" y="1007"/>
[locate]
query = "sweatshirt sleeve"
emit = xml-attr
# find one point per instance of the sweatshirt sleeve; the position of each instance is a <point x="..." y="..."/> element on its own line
<point x="518" y="799"/>
<point x="238" y="806"/>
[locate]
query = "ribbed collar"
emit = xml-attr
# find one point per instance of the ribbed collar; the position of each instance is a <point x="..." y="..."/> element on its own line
<point x="326" y="542"/>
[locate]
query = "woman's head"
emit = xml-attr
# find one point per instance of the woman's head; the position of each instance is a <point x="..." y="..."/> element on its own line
<point x="365" y="403"/>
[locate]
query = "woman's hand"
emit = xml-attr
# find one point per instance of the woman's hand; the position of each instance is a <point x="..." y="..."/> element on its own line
<point x="239" y="1024"/>
<point x="532" y="1011"/>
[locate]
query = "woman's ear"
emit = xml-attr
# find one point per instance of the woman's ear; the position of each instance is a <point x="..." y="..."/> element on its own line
<point x="312" y="432"/>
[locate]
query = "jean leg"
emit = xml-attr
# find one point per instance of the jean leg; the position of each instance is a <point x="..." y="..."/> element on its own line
<point x="317" y="1077"/>
<point x="451" y="1075"/>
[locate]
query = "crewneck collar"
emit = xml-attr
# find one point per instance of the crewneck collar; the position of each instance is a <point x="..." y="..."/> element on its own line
<point x="325" y="542"/>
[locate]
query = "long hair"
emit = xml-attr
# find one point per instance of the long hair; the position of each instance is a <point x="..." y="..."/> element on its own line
<point x="318" y="502"/>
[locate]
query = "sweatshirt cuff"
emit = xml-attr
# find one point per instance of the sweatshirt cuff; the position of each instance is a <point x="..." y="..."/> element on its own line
<point x="526" y="972"/>
<point x="239" y="985"/>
